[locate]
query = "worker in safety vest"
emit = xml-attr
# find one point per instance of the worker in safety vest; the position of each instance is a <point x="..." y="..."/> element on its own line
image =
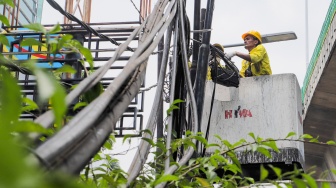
<point x="215" y="59"/>
<point x="221" y="48"/>
<point x="256" y="62"/>
<point x="212" y="59"/>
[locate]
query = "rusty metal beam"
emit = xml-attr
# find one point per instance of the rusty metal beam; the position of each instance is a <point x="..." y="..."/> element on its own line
<point x="145" y="9"/>
<point x="87" y="11"/>
<point x="72" y="7"/>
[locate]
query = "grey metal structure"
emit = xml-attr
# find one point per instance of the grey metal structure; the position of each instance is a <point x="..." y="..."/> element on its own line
<point x="102" y="49"/>
<point x="23" y="12"/>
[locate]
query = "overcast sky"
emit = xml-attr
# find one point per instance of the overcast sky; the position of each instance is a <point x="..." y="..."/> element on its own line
<point x="230" y="20"/>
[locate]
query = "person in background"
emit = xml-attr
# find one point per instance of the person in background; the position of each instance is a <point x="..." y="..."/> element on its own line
<point x="256" y="62"/>
<point x="217" y="59"/>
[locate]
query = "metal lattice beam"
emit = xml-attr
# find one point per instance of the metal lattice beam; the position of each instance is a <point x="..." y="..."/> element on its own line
<point x="84" y="9"/>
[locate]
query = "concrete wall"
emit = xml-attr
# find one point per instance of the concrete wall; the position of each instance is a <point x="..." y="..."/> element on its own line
<point x="268" y="106"/>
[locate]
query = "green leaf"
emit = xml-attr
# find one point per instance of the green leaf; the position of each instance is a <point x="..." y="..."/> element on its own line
<point x="213" y="162"/>
<point x="310" y="181"/>
<point x="4" y="40"/>
<point x="28" y="105"/>
<point x="64" y="40"/>
<point x="259" y="139"/>
<point x="79" y="105"/>
<point x="299" y="183"/>
<point x="50" y="90"/>
<point x="126" y="137"/>
<point x="325" y="185"/>
<point x="177" y="101"/>
<point x="290" y="134"/>
<point x="264" y="151"/>
<point x="55" y="29"/>
<point x="314" y="140"/>
<point x="212" y="145"/>
<point x="272" y="145"/>
<point x="308" y="136"/>
<point x="218" y="137"/>
<point x="88" y="56"/>
<point x="10" y="99"/>
<point x="45" y="84"/>
<point x="161" y="146"/>
<point x="36" y="27"/>
<point x="150" y="141"/>
<point x="66" y="69"/>
<point x="233" y="168"/>
<point x="108" y="144"/>
<point x="165" y="178"/>
<point x="203" y="182"/>
<point x="7" y="2"/>
<point x="190" y="143"/>
<point x="4" y="20"/>
<point x="201" y="139"/>
<point x="234" y="159"/>
<point x="58" y="103"/>
<point x="276" y="170"/>
<point x="29" y="126"/>
<point x="30" y="42"/>
<point x="263" y="173"/>
<point x="227" y="143"/>
<point x="331" y="142"/>
<point x="147" y="132"/>
<point x="333" y="171"/>
<point x="251" y="180"/>
<point x="239" y="143"/>
<point x="97" y="157"/>
<point x="220" y="158"/>
<point x="172" y="107"/>
<point x="252" y="135"/>
<point x="93" y="93"/>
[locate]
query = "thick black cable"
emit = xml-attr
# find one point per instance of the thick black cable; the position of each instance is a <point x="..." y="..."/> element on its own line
<point x="221" y="54"/>
<point x="87" y="27"/>
<point x="226" y="60"/>
<point x="211" y="106"/>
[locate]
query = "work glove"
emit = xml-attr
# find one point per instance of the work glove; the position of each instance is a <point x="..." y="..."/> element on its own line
<point x="229" y="55"/>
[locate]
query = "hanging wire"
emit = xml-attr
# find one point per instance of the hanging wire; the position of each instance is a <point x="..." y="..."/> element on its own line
<point x="87" y="27"/>
<point x="56" y="149"/>
<point x="188" y="154"/>
<point x="136" y="8"/>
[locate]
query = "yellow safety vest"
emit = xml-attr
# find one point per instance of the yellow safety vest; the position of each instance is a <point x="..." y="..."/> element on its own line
<point x="260" y="63"/>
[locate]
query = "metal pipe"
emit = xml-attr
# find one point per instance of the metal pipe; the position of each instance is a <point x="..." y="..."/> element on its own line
<point x="196" y="37"/>
<point x="159" y="127"/>
<point x="143" y="148"/>
<point x="172" y="91"/>
<point x="203" y="58"/>
<point x="68" y="136"/>
<point x="307" y="34"/>
<point x="79" y="156"/>
<point x="190" y="150"/>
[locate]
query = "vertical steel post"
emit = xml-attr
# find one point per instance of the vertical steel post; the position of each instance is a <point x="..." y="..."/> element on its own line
<point x="196" y="36"/>
<point x="203" y="58"/>
<point x="307" y="34"/>
<point x="159" y="127"/>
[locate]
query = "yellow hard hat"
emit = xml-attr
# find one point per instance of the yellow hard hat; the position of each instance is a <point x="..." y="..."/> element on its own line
<point x="253" y="33"/>
<point x="219" y="46"/>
